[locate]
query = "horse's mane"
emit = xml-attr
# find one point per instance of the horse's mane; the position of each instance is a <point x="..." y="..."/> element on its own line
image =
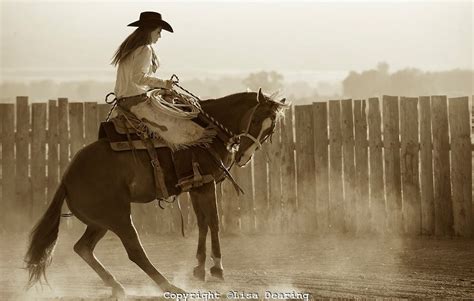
<point x="243" y="97"/>
<point x="238" y="95"/>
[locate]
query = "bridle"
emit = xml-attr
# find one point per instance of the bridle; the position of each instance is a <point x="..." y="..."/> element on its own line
<point x="246" y="132"/>
<point x="256" y="140"/>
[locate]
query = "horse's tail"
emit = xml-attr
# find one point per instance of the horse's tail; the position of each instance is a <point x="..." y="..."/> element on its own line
<point x="43" y="239"/>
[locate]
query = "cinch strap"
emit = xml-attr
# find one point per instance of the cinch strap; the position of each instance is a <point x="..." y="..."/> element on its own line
<point x="160" y="184"/>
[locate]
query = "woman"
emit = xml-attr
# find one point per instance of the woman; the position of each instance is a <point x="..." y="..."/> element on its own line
<point x="137" y="64"/>
<point x="136" y="59"/>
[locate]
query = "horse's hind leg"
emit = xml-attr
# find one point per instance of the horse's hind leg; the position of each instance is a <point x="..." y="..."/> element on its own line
<point x="127" y="233"/>
<point x="85" y="248"/>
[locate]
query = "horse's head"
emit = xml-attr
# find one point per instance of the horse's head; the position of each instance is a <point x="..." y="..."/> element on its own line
<point x="258" y="124"/>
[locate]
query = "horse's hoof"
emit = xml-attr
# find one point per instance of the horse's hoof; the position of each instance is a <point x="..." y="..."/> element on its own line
<point x="200" y="273"/>
<point x="118" y="291"/>
<point x="217" y="272"/>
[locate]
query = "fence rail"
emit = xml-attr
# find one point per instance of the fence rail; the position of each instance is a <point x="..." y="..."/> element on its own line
<point x="395" y="165"/>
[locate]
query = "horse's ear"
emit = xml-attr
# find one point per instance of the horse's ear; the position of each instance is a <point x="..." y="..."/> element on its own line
<point x="260" y="97"/>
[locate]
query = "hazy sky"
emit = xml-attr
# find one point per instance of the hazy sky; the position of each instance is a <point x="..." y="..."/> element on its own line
<point x="232" y="36"/>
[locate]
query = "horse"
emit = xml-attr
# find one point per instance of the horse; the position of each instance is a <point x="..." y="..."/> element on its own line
<point x="100" y="184"/>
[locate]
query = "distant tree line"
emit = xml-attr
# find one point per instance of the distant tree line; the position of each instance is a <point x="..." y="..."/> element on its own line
<point x="374" y="82"/>
<point x="90" y="90"/>
<point x="407" y="82"/>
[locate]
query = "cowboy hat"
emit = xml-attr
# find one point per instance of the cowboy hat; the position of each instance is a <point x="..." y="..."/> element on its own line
<point x="150" y="18"/>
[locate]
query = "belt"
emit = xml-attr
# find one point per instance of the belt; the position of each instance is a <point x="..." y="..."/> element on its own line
<point x="133" y="96"/>
<point x="130" y="101"/>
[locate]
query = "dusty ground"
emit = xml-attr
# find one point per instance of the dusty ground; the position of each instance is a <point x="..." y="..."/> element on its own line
<point x="324" y="267"/>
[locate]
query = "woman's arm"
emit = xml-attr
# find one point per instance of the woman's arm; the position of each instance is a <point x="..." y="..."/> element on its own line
<point x="142" y="61"/>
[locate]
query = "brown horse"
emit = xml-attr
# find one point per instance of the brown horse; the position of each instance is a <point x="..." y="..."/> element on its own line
<point x="100" y="184"/>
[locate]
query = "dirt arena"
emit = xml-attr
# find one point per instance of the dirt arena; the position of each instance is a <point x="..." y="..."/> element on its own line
<point x="325" y="267"/>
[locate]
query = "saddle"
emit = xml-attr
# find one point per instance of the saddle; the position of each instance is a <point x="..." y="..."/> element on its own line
<point x="123" y="137"/>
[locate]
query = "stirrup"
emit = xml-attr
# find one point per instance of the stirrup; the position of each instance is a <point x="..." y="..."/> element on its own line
<point x="195" y="180"/>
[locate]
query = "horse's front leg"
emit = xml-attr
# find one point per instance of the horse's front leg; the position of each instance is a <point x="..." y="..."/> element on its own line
<point x="217" y="270"/>
<point x="205" y="205"/>
<point x="197" y="201"/>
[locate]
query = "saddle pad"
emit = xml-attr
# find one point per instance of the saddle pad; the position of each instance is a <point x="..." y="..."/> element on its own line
<point x="119" y="142"/>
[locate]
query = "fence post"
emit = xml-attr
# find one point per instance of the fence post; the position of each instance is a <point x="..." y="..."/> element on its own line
<point x="7" y="114"/>
<point x="23" y="184"/>
<point x="351" y="212"/>
<point x="305" y="186"/>
<point x="38" y="159"/>
<point x="377" y="195"/>
<point x="231" y="207"/>
<point x="261" y="189"/>
<point x="288" y="173"/>
<point x="63" y="134"/>
<point x="76" y="129"/>
<point x="361" y="167"/>
<point x="2" y="217"/>
<point x="471" y="103"/>
<point x="337" y="210"/>
<point x="53" y="155"/>
<point x="426" y="165"/>
<point x="274" y="177"/>
<point x="461" y="172"/>
<point x="391" y="143"/>
<point x="76" y="123"/>
<point x="409" y="165"/>
<point x="243" y="176"/>
<point x="321" y="142"/>
<point x="442" y="176"/>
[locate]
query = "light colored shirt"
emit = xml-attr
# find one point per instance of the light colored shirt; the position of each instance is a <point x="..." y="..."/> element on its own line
<point x="136" y="74"/>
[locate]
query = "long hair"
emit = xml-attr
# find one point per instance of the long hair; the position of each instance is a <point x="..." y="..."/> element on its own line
<point x="140" y="37"/>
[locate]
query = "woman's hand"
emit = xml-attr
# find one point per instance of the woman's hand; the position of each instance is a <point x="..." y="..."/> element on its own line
<point x="168" y="84"/>
<point x="162" y="84"/>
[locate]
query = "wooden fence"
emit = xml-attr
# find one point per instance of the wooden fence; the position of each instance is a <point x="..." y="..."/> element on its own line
<point x="395" y="165"/>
